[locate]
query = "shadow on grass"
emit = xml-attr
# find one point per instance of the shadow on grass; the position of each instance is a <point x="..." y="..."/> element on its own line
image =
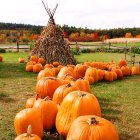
<point x="14" y="70"/>
<point x="5" y="98"/>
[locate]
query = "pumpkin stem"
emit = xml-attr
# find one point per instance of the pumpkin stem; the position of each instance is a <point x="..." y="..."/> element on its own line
<point x="29" y="131"/>
<point x="93" y="121"/>
<point x="69" y="85"/>
<point x="36" y="97"/>
<point x="82" y="95"/>
<point x="47" y="98"/>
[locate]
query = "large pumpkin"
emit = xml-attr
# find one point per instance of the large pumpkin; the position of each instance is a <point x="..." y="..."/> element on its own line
<point x="91" y="127"/>
<point x="108" y="76"/>
<point x="34" y="58"/>
<point x="27" y="117"/>
<point x="46" y="86"/>
<point x="28" y="135"/>
<point x="29" y="68"/>
<point x="62" y="91"/>
<point x="48" y="110"/>
<point x="76" y="103"/>
<point x="41" y="60"/>
<point x="122" y="62"/>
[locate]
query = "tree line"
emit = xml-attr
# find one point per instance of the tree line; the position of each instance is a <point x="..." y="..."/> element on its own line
<point x="26" y="32"/>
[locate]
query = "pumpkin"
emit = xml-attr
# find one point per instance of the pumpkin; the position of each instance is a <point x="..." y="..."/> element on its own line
<point x="62" y="91"/>
<point x="45" y="73"/>
<point x="118" y="72"/>
<point x="31" y="63"/>
<point x="79" y="71"/>
<point x="126" y="70"/>
<point x="46" y="86"/>
<point x="55" y="63"/>
<point x="122" y="62"/>
<point x="21" y="60"/>
<point x="83" y="85"/>
<point x="28" y="116"/>
<point x="65" y="71"/>
<point x="29" y="68"/>
<point x="28" y="135"/>
<point x="34" y="58"/>
<point x="76" y="103"/>
<point x="91" y="127"/>
<point x="135" y="70"/>
<point x="93" y="72"/>
<point x="108" y="76"/>
<point x="41" y="60"/>
<point x="48" y="110"/>
<point x="101" y="74"/>
<point x="114" y="75"/>
<point x="37" y="68"/>
<point x="89" y="79"/>
<point x="30" y="102"/>
<point x="1" y="58"/>
<point x="48" y="66"/>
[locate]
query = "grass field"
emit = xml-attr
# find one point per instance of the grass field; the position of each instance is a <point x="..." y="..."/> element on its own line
<point x="119" y="100"/>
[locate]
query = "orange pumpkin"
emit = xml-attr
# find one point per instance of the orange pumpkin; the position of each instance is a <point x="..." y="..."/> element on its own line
<point x="91" y="127"/>
<point x="46" y="86"/>
<point x="28" y="135"/>
<point x="30" y="102"/>
<point x="45" y="73"/>
<point x="34" y="58"/>
<point x="41" y="60"/>
<point x="79" y="71"/>
<point x="108" y="76"/>
<point x="31" y="63"/>
<point x="135" y="70"/>
<point x="48" y="66"/>
<point x="55" y="64"/>
<point x="48" y="110"/>
<point x="118" y="72"/>
<point x="21" y="60"/>
<point x="101" y="74"/>
<point x="122" y="62"/>
<point x="28" y="116"/>
<point x="93" y="72"/>
<point x="62" y="91"/>
<point x="37" y="68"/>
<point x="1" y="58"/>
<point x="75" y="104"/>
<point x="83" y="85"/>
<point x="126" y="70"/>
<point x="89" y="79"/>
<point x="29" y="68"/>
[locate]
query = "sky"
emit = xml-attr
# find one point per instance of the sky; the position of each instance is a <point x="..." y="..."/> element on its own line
<point x="93" y="14"/>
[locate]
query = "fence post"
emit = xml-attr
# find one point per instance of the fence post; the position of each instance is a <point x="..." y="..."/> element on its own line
<point x="109" y="44"/>
<point x="17" y="45"/>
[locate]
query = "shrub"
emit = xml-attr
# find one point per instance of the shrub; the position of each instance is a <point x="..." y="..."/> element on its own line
<point x="2" y="50"/>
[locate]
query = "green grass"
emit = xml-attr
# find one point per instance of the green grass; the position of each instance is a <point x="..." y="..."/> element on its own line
<point x="119" y="100"/>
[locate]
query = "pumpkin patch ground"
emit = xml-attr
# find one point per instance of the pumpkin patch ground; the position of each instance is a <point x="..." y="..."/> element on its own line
<point x="119" y="100"/>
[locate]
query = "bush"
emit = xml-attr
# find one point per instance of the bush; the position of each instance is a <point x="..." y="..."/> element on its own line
<point x="84" y="50"/>
<point x="2" y="50"/>
<point x="74" y="52"/>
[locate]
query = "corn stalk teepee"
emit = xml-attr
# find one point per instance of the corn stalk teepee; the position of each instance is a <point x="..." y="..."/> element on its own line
<point x="51" y="44"/>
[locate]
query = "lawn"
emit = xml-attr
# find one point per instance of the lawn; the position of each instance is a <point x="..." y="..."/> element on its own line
<point x="119" y="100"/>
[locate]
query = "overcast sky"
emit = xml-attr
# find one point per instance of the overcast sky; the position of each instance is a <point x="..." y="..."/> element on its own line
<point x="94" y="14"/>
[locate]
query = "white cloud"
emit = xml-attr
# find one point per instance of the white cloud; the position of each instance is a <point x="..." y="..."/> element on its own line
<point x="79" y="13"/>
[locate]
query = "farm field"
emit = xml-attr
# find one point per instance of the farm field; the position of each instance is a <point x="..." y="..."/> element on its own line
<point x="119" y="100"/>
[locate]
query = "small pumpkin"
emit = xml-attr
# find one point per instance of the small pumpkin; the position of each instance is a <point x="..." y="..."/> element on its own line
<point x="1" y="58"/>
<point x="55" y="63"/>
<point x="37" y="68"/>
<point x="135" y="70"/>
<point x="28" y="135"/>
<point x="29" y="68"/>
<point x="108" y="76"/>
<point x="91" y="127"/>
<point x="34" y="58"/>
<point x="41" y="60"/>
<point x="21" y="60"/>
<point x="122" y="62"/>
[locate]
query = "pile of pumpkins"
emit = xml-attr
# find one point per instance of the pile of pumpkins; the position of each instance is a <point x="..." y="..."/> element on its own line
<point x="64" y="101"/>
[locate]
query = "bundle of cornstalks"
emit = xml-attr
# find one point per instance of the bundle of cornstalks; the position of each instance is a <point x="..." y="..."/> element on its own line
<point x="51" y="44"/>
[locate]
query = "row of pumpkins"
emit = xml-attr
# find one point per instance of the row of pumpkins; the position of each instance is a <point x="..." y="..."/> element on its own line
<point x="64" y="101"/>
